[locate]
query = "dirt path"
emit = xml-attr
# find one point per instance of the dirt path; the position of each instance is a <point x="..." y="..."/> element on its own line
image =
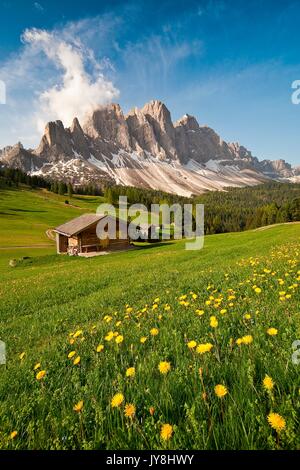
<point x="50" y="234"/>
<point x="266" y="227"/>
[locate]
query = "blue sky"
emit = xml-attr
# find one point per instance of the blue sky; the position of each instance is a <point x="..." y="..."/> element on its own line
<point x="229" y="63"/>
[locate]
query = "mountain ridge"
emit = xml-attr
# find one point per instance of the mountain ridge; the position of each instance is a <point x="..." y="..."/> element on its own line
<point x="144" y="148"/>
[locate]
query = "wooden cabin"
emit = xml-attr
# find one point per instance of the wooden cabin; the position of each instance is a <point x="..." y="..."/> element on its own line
<point x="79" y="236"/>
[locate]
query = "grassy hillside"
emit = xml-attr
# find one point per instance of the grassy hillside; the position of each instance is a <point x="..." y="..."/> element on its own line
<point x="145" y="307"/>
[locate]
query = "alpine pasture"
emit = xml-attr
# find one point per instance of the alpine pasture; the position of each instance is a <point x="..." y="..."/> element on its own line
<point x="155" y="348"/>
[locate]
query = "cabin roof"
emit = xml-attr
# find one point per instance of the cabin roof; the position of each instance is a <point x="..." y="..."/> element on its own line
<point x="78" y="224"/>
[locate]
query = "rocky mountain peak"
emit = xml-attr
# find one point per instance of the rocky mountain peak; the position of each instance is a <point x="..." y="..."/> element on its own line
<point x="144" y="148"/>
<point x="108" y="123"/>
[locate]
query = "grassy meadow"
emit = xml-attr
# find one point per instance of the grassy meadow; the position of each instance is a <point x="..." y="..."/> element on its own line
<point x="154" y="348"/>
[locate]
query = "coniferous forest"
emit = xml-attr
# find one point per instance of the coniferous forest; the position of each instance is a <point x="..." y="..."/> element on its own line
<point x="233" y="210"/>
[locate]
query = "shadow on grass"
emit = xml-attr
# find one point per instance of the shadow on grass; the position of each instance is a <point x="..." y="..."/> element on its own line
<point x="146" y="246"/>
<point x="25" y="210"/>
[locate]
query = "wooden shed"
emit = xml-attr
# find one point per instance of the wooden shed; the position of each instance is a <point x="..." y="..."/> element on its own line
<point x="79" y="236"/>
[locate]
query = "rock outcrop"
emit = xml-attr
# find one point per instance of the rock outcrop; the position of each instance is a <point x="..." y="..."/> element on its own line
<point x="144" y="148"/>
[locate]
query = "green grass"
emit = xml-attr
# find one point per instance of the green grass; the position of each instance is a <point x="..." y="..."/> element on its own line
<point x="47" y="297"/>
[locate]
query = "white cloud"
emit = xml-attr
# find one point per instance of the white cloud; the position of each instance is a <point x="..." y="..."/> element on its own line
<point x="78" y="91"/>
<point x="56" y="74"/>
<point x="39" y="7"/>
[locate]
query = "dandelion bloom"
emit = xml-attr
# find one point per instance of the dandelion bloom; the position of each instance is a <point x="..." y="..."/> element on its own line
<point x="129" y="410"/>
<point x="272" y="331"/>
<point x="164" y="367"/>
<point x="166" y="432"/>
<point x="130" y="372"/>
<point x="248" y="339"/>
<point x="109" y="336"/>
<point x="221" y="391"/>
<point x="13" y="434"/>
<point x="257" y="290"/>
<point x="40" y="375"/>
<point x="71" y="354"/>
<point x="203" y="348"/>
<point x="191" y="344"/>
<point x="78" y="406"/>
<point x="22" y="355"/>
<point x="154" y="331"/>
<point x="119" y="339"/>
<point x="276" y="421"/>
<point x="143" y="339"/>
<point x="199" y="312"/>
<point x="117" y="400"/>
<point x="100" y="348"/>
<point x="37" y="366"/>
<point x="76" y="361"/>
<point x="213" y="322"/>
<point x="268" y="383"/>
<point x="77" y="333"/>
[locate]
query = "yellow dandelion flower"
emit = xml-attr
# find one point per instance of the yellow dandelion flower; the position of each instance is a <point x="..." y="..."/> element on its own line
<point x="129" y="309"/>
<point x="272" y="331"/>
<point x="276" y="422"/>
<point x="223" y="311"/>
<point x="40" y="375"/>
<point x="268" y="383"/>
<point x="248" y="339"/>
<point x="100" y="348"/>
<point x="109" y="336"/>
<point x="154" y="331"/>
<point x="22" y="355"/>
<point x="156" y="300"/>
<point x="143" y="339"/>
<point x="13" y="434"/>
<point x="78" y="406"/>
<point x="130" y="372"/>
<point x="129" y="410"/>
<point x="37" y="366"/>
<point x="71" y="354"/>
<point x="167" y="307"/>
<point x="119" y="339"/>
<point x="76" y="361"/>
<point x="247" y="316"/>
<point x="166" y="432"/>
<point x="257" y="290"/>
<point x="191" y="344"/>
<point x="164" y="367"/>
<point x="199" y="312"/>
<point x="203" y="348"/>
<point x="221" y="390"/>
<point x="77" y="333"/>
<point x="72" y="341"/>
<point x="117" y="400"/>
<point x="213" y="322"/>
